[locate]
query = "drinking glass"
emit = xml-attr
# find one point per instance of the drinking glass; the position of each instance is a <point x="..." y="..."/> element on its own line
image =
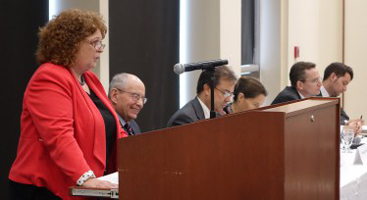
<point x="347" y="136"/>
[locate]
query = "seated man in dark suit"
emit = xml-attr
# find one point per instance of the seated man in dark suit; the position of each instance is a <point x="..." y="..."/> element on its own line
<point x="127" y="95"/>
<point x="337" y="76"/>
<point x="199" y="107"/>
<point x="305" y="80"/>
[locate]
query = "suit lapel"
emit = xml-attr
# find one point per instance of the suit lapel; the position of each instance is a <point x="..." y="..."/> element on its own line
<point x="198" y="109"/>
<point x="295" y="92"/>
<point x="135" y="127"/>
<point x="99" y="150"/>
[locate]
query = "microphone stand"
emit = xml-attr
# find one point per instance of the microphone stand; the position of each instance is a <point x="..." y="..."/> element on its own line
<point x="212" y="112"/>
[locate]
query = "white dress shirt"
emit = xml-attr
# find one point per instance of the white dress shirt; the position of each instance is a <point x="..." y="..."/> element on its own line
<point x="205" y="109"/>
<point x="324" y="92"/>
<point x="302" y="97"/>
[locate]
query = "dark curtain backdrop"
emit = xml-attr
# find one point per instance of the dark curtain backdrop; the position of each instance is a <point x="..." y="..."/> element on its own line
<point x="144" y="40"/>
<point x="18" y="46"/>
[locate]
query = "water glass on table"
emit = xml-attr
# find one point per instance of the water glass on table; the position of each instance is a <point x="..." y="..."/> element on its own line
<point x="347" y="136"/>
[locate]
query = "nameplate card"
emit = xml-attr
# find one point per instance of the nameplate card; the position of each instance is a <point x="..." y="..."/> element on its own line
<point x="361" y="155"/>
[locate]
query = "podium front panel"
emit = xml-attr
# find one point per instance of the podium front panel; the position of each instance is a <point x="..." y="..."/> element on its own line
<point x="260" y="154"/>
<point x="225" y="158"/>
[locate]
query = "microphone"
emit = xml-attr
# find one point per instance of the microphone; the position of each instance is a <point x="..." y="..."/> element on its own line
<point x="181" y="68"/>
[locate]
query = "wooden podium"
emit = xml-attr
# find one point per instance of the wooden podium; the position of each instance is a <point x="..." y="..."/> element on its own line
<point x="288" y="151"/>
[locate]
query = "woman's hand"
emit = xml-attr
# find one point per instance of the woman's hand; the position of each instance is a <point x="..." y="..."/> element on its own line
<point x="95" y="183"/>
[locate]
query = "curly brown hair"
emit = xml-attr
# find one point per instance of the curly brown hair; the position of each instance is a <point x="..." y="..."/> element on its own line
<point x="60" y="38"/>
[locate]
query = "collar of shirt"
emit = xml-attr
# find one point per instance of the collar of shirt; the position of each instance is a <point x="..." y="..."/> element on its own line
<point x="122" y="121"/>
<point x="302" y="97"/>
<point x="324" y="92"/>
<point x="205" y="109"/>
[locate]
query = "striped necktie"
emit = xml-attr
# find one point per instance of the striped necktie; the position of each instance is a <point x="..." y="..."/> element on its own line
<point x="128" y="129"/>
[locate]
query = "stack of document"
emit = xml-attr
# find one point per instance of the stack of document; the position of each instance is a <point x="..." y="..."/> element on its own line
<point x="112" y="193"/>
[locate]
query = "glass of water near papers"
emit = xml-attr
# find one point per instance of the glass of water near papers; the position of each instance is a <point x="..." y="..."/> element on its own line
<point x="347" y="136"/>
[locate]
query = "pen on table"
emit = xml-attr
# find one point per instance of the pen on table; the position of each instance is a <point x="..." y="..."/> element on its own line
<point x="360" y="123"/>
<point x="361" y="120"/>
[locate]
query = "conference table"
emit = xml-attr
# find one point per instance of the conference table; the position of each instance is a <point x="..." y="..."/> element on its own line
<point x="353" y="177"/>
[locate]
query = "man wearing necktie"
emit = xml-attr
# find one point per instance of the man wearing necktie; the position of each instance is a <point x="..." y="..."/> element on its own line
<point x="129" y="130"/>
<point x="127" y="95"/>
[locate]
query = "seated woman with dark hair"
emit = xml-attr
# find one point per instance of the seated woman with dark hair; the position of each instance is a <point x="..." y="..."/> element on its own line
<point x="249" y="93"/>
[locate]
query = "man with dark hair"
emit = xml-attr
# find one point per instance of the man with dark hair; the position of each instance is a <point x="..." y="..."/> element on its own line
<point x="199" y="107"/>
<point x="305" y="80"/>
<point x="337" y="76"/>
<point x="336" y="79"/>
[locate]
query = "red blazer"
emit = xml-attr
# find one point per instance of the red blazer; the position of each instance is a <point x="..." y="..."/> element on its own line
<point x="62" y="131"/>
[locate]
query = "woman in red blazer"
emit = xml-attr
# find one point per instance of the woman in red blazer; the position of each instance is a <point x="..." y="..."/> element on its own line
<point x="69" y="130"/>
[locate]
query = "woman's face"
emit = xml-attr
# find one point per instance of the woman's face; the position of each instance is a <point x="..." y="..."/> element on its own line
<point x="89" y="53"/>
<point x="252" y="103"/>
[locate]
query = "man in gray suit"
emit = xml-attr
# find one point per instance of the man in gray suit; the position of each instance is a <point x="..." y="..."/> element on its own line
<point x="199" y="107"/>
<point x="127" y="95"/>
<point x="305" y="80"/>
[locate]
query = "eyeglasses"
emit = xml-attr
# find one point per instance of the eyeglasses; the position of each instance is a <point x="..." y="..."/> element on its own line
<point x="226" y="94"/>
<point x="134" y="96"/>
<point x="97" y="44"/>
<point x="315" y="81"/>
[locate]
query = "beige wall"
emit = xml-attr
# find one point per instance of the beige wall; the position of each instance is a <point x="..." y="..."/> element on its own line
<point x="230" y="33"/>
<point x="355" y="56"/>
<point x="104" y="62"/>
<point x="271" y="40"/>
<point x="316" y="27"/>
<point x="200" y="40"/>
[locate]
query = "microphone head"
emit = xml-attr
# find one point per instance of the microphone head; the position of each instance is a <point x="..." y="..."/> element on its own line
<point x="224" y="62"/>
<point x="179" y="68"/>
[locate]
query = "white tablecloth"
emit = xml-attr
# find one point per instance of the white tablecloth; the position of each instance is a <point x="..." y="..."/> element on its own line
<point x="353" y="178"/>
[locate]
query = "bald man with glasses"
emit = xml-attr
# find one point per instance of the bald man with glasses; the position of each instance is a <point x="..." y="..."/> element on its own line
<point x="199" y="107"/>
<point x="127" y="95"/>
<point x="305" y="80"/>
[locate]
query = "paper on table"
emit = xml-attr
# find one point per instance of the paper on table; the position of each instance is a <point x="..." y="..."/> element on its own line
<point x="364" y="130"/>
<point x="113" y="178"/>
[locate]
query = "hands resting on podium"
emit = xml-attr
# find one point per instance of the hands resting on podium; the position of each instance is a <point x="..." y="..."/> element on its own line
<point x="95" y="183"/>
